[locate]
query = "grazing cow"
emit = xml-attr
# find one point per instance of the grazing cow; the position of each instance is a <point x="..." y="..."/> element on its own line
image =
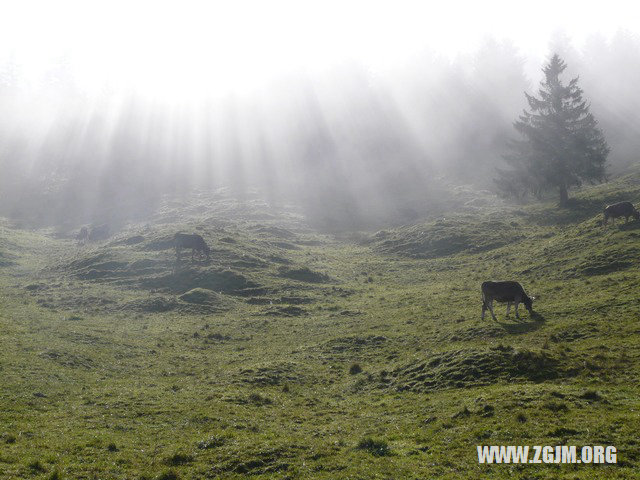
<point x="195" y="242"/>
<point x="510" y="292"/>
<point x="617" y="210"/>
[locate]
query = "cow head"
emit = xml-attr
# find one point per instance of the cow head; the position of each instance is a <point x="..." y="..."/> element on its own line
<point x="636" y="214"/>
<point x="528" y="303"/>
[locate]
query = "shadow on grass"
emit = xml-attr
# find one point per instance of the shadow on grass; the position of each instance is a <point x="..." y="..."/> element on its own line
<point x="634" y="225"/>
<point x="533" y="323"/>
<point x="576" y="210"/>
<point x="187" y="261"/>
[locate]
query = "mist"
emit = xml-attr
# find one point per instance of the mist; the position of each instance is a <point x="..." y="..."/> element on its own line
<point x="357" y="133"/>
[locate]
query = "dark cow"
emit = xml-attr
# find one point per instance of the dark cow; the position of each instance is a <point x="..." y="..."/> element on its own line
<point x="195" y="242"/>
<point x="617" y="210"/>
<point x="510" y="292"/>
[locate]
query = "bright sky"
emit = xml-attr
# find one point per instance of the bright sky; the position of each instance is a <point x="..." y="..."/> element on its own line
<point x="202" y="47"/>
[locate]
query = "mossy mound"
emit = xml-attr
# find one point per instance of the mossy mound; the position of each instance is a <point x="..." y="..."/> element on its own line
<point x="611" y="260"/>
<point x="303" y="274"/>
<point x="272" y="374"/>
<point x="226" y="281"/>
<point x="202" y="296"/>
<point x="152" y="305"/>
<point x="447" y="237"/>
<point x="464" y="368"/>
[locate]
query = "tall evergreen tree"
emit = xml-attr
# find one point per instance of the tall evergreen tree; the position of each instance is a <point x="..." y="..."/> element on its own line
<point x="561" y="143"/>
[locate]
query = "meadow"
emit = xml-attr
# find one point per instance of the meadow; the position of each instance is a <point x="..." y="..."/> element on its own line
<point x="296" y="353"/>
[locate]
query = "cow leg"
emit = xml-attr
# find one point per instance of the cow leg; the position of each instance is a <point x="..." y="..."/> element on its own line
<point x="517" y="315"/>
<point x="484" y="309"/>
<point x="508" y="308"/>
<point x="491" y="310"/>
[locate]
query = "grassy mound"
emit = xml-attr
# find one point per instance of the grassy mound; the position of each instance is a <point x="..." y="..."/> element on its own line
<point x="464" y="233"/>
<point x="226" y="281"/>
<point x="209" y="298"/>
<point x="156" y="304"/>
<point x="273" y="374"/>
<point x="464" y="368"/>
<point x="388" y="373"/>
<point x="303" y="274"/>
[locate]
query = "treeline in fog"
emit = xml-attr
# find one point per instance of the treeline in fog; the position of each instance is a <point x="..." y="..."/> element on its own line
<point x="353" y="146"/>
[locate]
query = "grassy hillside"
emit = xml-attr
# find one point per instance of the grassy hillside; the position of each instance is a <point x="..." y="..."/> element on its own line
<point x="294" y="354"/>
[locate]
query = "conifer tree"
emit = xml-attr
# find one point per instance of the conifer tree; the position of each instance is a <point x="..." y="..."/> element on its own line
<point x="561" y="145"/>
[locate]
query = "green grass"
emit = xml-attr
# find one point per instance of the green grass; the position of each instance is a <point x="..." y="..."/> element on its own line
<point x="295" y="354"/>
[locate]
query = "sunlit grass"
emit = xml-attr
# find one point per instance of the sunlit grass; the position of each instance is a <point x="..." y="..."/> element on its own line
<point x="361" y="363"/>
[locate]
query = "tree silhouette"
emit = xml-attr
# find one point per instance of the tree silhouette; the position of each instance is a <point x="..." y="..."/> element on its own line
<point x="561" y="143"/>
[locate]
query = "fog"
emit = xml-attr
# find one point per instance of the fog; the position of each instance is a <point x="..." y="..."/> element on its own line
<point x="363" y="115"/>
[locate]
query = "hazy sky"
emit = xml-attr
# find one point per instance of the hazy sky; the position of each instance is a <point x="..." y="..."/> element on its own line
<point x="191" y="48"/>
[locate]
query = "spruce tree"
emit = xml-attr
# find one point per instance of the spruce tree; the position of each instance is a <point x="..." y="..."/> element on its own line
<point x="561" y="144"/>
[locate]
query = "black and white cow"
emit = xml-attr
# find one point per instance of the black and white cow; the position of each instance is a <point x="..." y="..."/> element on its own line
<point x="510" y="292"/>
